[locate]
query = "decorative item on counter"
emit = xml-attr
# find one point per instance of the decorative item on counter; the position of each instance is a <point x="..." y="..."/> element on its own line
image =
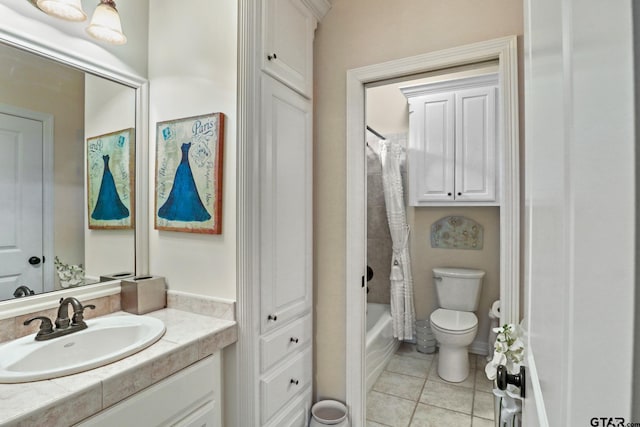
<point x="69" y="274"/>
<point x="142" y="294"/>
<point x="110" y="180"/>
<point x="457" y="232"/>
<point x="188" y="187"/>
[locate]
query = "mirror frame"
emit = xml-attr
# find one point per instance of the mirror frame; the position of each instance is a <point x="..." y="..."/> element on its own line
<point x="16" y="307"/>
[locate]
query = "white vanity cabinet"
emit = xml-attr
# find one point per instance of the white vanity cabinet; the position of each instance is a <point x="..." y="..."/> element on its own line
<point x="188" y="398"/>
<point x="287" y="43"/>
<point x="452" y="154"/>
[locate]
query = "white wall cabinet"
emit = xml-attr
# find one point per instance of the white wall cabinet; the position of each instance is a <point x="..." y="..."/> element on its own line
<point x="188" y="398"/>
<point x="452" y="155"/>
<point x="287" y="43"/>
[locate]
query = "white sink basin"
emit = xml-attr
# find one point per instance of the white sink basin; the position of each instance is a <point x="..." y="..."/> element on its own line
<point x="105" y="340"/>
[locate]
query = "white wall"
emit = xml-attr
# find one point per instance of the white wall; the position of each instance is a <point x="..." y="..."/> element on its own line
<point x="108" y="107"/>
<point x="21" y="18"/>
<point x="192" y="71"/>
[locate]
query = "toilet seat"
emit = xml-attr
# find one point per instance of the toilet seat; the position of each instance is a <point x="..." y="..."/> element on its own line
<point x="453" y="321"/>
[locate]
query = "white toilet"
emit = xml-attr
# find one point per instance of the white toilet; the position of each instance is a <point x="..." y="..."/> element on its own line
<point x="454" y="324"/>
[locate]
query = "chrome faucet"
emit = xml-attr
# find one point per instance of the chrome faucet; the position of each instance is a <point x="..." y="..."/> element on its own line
<point x="64" y="325"/>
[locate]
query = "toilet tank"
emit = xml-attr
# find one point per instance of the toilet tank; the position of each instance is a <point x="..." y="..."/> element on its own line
<point x="458" y="288"/>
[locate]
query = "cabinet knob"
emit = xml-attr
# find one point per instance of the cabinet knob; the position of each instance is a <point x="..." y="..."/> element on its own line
<point x="295" y="340"/>
<point x="459" y="194"/>
<point x="272" y="317"/>
<point x="294" y="381"/>
<point x="272" y="56"/>
<point x="448" y="194"/>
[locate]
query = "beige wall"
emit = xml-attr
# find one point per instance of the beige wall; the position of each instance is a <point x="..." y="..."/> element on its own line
<point x="356" y="33"/>
<point x="43" y="86"/>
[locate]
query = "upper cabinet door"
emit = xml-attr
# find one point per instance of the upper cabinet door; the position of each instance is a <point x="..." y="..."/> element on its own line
<point x="287" y="43"/>
<point x="285" y="205"/>
<point x="431" y="149"/>
<point x="475" y="144"/>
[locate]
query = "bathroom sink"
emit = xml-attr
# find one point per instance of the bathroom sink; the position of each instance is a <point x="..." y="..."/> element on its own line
<point x="105" y="340"/>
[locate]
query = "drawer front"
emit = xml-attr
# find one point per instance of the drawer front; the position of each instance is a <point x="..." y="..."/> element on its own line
<point x="284" y="342"/>
<point x="295" y="414"/>
<point x="285" y="383"/>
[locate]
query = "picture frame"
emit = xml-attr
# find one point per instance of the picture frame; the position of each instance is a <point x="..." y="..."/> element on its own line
<point x="111" y="180"/>
<point x="188" y="177"/>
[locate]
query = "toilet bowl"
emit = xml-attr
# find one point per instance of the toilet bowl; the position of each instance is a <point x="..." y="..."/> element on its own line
<point x="455" y="324"/>
<point x="454" y="331"/>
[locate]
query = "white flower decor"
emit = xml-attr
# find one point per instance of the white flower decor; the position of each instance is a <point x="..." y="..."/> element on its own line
<point x="69" y="274"/>
<point x="509" y="350"/>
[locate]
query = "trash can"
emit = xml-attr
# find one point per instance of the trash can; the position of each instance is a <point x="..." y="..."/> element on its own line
<point x="329" y="413"/>
<point x="425" y="340"/>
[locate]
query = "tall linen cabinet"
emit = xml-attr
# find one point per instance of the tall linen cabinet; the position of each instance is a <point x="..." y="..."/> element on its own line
<point x="274" y="351"/>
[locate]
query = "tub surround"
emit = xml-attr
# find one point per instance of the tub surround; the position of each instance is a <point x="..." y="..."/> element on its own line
<point x="67" y="400"/>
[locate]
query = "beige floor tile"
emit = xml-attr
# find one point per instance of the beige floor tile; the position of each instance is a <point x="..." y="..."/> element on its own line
<point x="482" y="382"/>
<point x="409" y="350"/>
<point x="431" y="416"/>
<point x="468" y="382"/>
<point x="409" y="366"/>
<point x="481" y="422"/>
<point x="389" y="410"/>
<point x="399" y="385"/>
<point x="483" y="405"/>
<point x="447" y="396"/>
<point x="374" y="424"/>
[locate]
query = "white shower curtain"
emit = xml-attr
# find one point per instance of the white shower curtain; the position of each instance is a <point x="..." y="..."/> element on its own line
<point x="402" y="309"/>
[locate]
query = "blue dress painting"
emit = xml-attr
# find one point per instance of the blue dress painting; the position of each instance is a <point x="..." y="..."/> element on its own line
<point x="184" y="203"/>
<point x="109" y="206"/>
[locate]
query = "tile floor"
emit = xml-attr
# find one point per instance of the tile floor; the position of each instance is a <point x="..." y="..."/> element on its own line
<point x="409" y="392"/>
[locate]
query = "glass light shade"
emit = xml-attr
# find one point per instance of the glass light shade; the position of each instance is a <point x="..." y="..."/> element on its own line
<point x="71" y="10"/>
<point x="105" y="25"/>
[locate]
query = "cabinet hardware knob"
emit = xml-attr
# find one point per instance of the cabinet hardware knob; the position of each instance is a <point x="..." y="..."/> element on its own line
<point x="272" y="317"/>
<point x="459" y="194"/>
<point x="294" y="381"/>
<point x="503" y="378"/>
<point x="295" y="340"/>
<point x="272" y="56"/>
<point x="448" y="194"/>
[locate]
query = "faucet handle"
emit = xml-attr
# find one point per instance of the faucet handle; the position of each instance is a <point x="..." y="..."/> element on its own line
<point x="78" y="315"/>
<point x="46" y="327"/>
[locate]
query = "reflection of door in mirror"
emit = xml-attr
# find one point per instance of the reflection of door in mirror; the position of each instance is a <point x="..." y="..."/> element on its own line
<point x="21" y="195"/>
<point x="80" y="105"/>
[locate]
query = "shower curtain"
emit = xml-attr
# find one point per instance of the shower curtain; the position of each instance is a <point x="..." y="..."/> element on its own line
<point x="402" y="309"/>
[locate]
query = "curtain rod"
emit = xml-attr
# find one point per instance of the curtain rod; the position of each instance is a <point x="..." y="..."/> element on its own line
<point x="375" y="133"/>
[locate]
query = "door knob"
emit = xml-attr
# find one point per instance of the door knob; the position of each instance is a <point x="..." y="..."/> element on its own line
<point x="34" y="260"/>
<point x="503" y="378"/>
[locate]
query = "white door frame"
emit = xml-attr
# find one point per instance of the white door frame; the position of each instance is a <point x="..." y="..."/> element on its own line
<point x="505" y="51"/>
<point x="47" y="187"/>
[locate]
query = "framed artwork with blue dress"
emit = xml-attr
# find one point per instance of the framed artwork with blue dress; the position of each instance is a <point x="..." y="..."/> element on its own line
<point x="188" y="187"/>
<point x="110" y="180"/>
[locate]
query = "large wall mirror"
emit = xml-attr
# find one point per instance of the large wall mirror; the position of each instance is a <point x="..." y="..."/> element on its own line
<point x="47" y="111"/>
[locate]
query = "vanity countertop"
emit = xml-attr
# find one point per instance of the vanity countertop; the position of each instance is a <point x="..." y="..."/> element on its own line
<point x="67" y="400"/>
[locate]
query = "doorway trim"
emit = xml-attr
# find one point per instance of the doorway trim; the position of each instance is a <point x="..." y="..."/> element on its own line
<point x="505" y="51"/>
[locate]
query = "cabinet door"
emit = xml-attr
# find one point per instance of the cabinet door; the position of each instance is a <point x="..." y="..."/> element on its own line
<point x="285" y="205"/>
<point x="287" y="43"/>
<point x="431" y="149"/>
<point x="475" y="145"/>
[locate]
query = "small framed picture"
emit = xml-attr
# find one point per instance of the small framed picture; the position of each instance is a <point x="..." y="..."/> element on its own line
<point x="110" y="180"/>
<point x="188" y="187"/>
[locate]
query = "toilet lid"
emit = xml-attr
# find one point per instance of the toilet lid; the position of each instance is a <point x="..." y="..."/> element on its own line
<point x="454" y="320"/>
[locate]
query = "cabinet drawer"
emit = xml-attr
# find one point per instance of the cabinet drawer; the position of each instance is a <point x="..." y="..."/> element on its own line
<point x="284" y="384"/>
<point x="284" y="342"/>
<point x="295" y="414"/>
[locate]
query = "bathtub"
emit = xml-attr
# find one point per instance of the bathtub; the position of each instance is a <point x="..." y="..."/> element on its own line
<point x="380" y="344"/>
